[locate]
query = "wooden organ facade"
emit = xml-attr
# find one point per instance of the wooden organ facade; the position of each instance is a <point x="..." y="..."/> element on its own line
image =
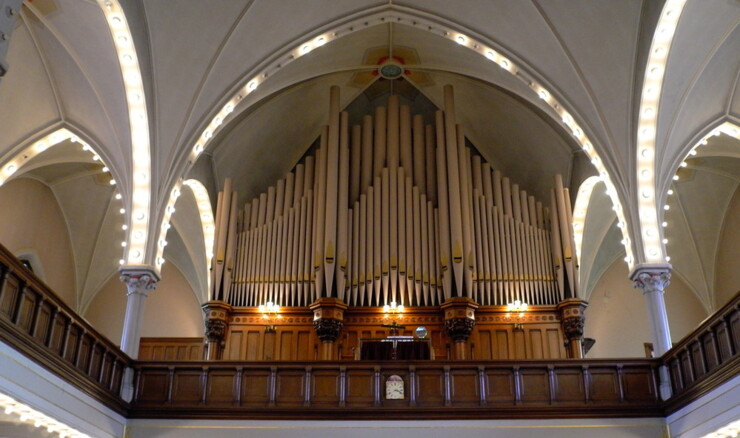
<point x="394" y="210"/>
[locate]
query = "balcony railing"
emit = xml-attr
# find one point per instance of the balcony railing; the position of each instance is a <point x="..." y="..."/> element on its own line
<point x="430" y="389"/>
<point x="36" y="322"/>
<point x="706" y="357"/>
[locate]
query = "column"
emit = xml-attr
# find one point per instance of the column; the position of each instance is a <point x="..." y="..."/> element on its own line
<point x="328" y="320"/>
<point x="652" y="279"/>
<point x="139" y="282"/>
<point x="217" y="314"/>
<point x="459" y="322"/>
<point x="572" y="319"/>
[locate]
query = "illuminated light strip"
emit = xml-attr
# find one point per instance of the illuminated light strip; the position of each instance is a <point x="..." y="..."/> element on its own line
<point x="31" y="416"/>
<point x="165" y="226"/>
<point x="11" y="168"/>
<point x="482" y="49"/>
<point x="653" y="248"/>
<point x="206" y="219"/>
<point x="727" y="128"/>
<point x="581" y="208"/>
<point x="732" y="430"/>
<point x="203" y="202"/>
<point x="135" y="253"/>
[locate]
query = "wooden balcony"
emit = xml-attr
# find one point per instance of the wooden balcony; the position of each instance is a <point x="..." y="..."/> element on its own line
<point x="432" y="389"/>
<point x="34" y="321"/>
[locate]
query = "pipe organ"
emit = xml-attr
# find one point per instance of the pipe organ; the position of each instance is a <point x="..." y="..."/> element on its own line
<point x="394" y="209"/>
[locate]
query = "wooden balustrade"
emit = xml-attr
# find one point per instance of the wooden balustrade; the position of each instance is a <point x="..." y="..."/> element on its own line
<point x="705" y="358"/>
<point x="36" y="322"/>
<point x="432" y="389"/>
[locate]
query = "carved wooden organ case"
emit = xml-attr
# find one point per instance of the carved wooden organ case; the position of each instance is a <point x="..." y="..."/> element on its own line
<point x="394" y="210"/>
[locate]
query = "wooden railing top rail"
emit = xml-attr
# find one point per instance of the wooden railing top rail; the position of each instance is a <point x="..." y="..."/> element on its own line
<point x="460" y="364"/>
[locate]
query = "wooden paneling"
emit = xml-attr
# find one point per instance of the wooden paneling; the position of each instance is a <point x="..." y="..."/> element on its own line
<point x="639" y="384"/>
<point x="256" y="387"/>
<point x="290" y="387"/>
<point x="360" y="385"/>
<point x="187" y="386"/>
<point x="500" y="386"/>
<point x="603" y="384"/>
<point x="464" y="387"/>
<point x="493" y="337"/>
<point x="171" y="349"/>
<point x="432" y="389"/>
<point x="9" y="294"/>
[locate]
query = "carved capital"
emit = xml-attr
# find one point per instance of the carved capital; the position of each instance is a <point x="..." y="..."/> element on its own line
<point x="572" y="318"/>
<point x="328" y="329"/>
<point x="215" y="330"/>
<point x="217" y="315"/>
<point x="651" y="280"/>
<point x="459" y="329"/>
<point x="573" y="327"/>
<point x="139" y="281"/>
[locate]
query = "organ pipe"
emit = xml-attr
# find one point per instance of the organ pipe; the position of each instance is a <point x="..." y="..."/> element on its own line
<point x="393" y="210"/>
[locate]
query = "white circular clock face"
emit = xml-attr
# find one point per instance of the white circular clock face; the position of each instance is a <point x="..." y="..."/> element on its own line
<point x="421" y="332"/>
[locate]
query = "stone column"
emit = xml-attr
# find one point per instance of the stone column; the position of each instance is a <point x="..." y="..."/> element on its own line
<point x="572" y="320"/>
<point x="328" y="320"/>
<point x="139" y="281"/>
<point x="652" y="279"/>
<point x="459" y="322"/>
<point x="217" y="314"/>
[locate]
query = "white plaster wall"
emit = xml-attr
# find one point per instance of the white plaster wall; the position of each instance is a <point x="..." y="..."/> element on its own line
<point x="33" y="385"/>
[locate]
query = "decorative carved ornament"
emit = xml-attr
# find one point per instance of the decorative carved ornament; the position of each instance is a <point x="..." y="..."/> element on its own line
<point x="459" y="329"/>
<point x="510" y="319"/>
<point x="139" y="282"/>
<point x="573" y="327"/>
<point x="328" y="329"/>
<point x="652" y="280"/>
<point x="215" y="329"/>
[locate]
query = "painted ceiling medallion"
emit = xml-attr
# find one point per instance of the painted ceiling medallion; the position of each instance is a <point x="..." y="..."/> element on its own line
<point x="390" y="70"/>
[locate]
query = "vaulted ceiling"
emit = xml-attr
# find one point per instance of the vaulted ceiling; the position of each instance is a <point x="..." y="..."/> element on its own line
<point x="194" y="55"/>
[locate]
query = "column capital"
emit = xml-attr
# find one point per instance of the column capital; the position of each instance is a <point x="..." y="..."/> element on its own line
<point x="651" y="277"/>
<point x="139" y="279"/>
<point x="459" y="317"/>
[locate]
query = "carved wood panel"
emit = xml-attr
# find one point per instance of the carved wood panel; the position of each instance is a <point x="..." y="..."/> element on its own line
<point x="470" y="389"/>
